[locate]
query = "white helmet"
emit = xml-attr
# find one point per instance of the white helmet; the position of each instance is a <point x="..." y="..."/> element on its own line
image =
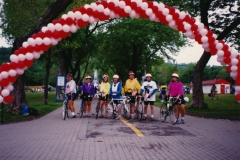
<point x="115" y="76"/>
<point x="148" y="75"/>
<point x="186" y="99"/>
<point x="105" y="75"/>
<point x="175" y="75"/>
<point x="88" y="77"/>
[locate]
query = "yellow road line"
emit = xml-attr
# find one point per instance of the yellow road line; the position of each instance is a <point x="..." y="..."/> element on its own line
<point x="139" y="133"/>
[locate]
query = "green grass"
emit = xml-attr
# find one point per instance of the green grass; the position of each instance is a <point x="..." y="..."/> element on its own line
<point x="226" y="107"/>
<point x="35" y="100"/>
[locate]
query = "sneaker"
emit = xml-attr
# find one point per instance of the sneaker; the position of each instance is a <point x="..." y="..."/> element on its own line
<point x="106" y="116"/>
<point x="101" y="116"/>
<point x="144" y="117"/>
<point x="118" y="117"/>
<point x="74" y="116"/>
<point x="152" y="118"/>
<point x="88" y="115"/>
<point x="183" y="122"/>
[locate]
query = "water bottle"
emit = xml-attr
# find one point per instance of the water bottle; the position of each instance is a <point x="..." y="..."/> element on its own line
<point x="167" y="106"/>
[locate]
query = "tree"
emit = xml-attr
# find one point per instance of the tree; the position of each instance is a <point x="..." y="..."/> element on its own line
<point x="54" y="10"/>
<point x="127" y="44"/>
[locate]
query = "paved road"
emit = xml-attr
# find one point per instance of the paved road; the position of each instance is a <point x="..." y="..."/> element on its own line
<point x="51" y="138"/>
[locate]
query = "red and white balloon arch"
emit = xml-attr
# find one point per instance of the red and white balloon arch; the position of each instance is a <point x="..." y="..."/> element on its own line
<point x="99" y="11"/>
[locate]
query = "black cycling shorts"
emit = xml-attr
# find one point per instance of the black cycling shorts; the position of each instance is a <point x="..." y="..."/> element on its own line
<point x="71" y="96"/>
<point x="148" y="102"/>
<point x="86" y="97"/>
<point x="181" y="98"/>
<point x="104" y="98"/>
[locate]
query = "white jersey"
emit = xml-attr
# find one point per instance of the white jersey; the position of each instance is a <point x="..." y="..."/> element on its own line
<point x="71" y="87"/>
<point x="148" y="88"/>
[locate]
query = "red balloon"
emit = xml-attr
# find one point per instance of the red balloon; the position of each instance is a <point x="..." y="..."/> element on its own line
<point x="227" y="53"/>
<point x="22" y="50"/>
<point x="49" y="34"/>
<point x="5" y="67"/>
<point x="37" y="48"/>
<point x="62" y="21"/>
<point x="81" y="23"/>
<point x="13" y="65"/>
<point x="54" y="21"/>
<point x="194" y="27"/>
<point x="150" y="3"/>
<point x="12" y="79"/>
<point x="28" y="63"/>
<point x="4" y="82"/>
<point x="228" y="68"/>
<point x="105" y="4"/>
<point x="225" y="47"/>
<point x="8" y="99"/>
<point x="21" y="64"/>
<point x="213" y="51"/>
<point x="227" y="60"/>
<point x="112" y="6"/>
<point x="237" y="97"/>
<point x="41" y="35"/>
<point x="82" y="10"/>
<point x="154" y="9"/>
<point x="16" y="52"/>
<point x="171" y="10"/>
<point x="198" y="38"/>
<point x="176" y="16"/>
<point x="34" y="36"/>
<point x="89" y="11"/>
<point x="211" y="39"/>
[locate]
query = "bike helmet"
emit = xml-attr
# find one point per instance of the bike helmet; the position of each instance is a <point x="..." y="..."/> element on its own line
<point x="88" y="77"/>
<point x="175" y="74"/>
<point x="115" y="76"/>
<point x="105" y="75"/>
<point x="69" y="75"/>
<point x="148" y="75"/>
<point x="131" y="73"/>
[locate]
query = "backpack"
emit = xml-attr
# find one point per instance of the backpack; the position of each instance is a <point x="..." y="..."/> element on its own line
<point x="25" y="110"/>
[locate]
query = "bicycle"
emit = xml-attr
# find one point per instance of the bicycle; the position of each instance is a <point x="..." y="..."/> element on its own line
<point x="168" y="109"/>
<point x="122" y="105"/>
<point x="213" y="95"/>
<point x="98" y="104"/>
<point x="65" y="107"/>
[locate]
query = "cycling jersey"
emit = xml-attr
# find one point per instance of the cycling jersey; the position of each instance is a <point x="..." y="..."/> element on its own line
<point x="71" y="87"/>
<point x="175" y="89"/>
<point x="133" y="85"/>
<point x="105" y="87"/>
<point x="149" y="87"/>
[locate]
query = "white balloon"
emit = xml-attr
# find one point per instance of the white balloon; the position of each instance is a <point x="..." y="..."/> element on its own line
<point x="220" y="53"/>
<point x="219" y="46"/>
<point x="66" y="28"/>
<point x="100" y="8"/>
<point x="113" y="15"/>
<point x="9" y="87"/>
<point x="93" y="6"/>
<point x="12" y="73"/>
<point x="203" y="32"/>
<point x="237" y="88"/>
<point x="36" y="55"/>
<point x="132" y="14"/>
<point x="92" y="20"/>
<point x="161" y="6"/>
<point x="152" y="17"/>
<point x="182" y="15"/>
<point x="4" y="74"/>
<point x="78" y="15"/>
<point x="87" y="6"/>
<point x="21" y="57"/>
<point x="46" y="41"/>
<point x="172" y="24"/>
<point x="44" y="29"/>
<point x="187" y="26"/>
<point x="19" y="71"/>
<point x="144" y="6"/>
<point x="165" y="11"/>
<point x="41" y="52"/>
<point x="25" y="44"/>
<point x="122" y="4"/>
<point x="31" y="42"/>
<point x="39" y="41"/>
<point x="14" y="58"/>
<point x="234" y="68"/>
<point x="200" y="26"/>
<point x="73" y="28"/>
<point x="64" y="16"/>
<point x="71" y="15"/>
<point x="169" y="18"/>
<point x="233" y="74"/>
<point x="220" y="59"/>
<point x="204" y="39"/>
<point x="234" y="61"/>
<point x="207" y="49"/>
<point x="149" y="12"/>
<point x="51" y="27"/>
<point x="106" y="11"/>
<point x="29" y="56"/>
<point x="85" y="17"/>
<point x="5" y="92"/>
<point x="1" y="99"/>
<point x="127" y="9"/>
<point x="234" y="53"/>
<point x="205" y="45"/>
<point x="58" y="27"/>
<point x="116" y="2"/>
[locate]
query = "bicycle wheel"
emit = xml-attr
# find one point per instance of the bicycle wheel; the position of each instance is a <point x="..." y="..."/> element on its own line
<point x="126" y="111"/>
<point x="81" y="109"/>
<point x="173" y="116"/>
<point x="163" y="112"/>
<point x="64" y="113"/>
<point x="216" y="97"/>
<point x="109" y="110"/>
<point x="97" y="109"/>
<point x="140" y="111"/>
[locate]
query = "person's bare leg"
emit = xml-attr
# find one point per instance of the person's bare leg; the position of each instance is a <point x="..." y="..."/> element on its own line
<point x="85" y="106"/>
<point x="152" y="109"/>
<point x="89" y="106"/>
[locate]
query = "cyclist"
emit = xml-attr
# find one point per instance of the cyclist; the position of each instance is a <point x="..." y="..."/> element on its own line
<point x="134" y="86"/>
<point x="71" y="93"/>
<point x="163" y="91"/>
<point x="104" y="91"/>
<point x="149" y="87"/>
<point x="176" y="90"/>
<point x="115" y="92"/>
<point x="213" y="90"/>
<point x="88" y="93"/>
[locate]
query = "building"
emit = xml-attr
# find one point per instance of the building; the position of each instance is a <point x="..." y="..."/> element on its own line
<point x="223" y="86"/>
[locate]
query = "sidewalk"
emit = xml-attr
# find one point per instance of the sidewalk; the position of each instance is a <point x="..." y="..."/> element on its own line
<point x="51" y="138"/>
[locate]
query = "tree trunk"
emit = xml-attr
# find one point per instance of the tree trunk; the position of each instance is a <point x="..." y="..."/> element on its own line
<point x="48" y="66"/>
<point x="54" y="10"/>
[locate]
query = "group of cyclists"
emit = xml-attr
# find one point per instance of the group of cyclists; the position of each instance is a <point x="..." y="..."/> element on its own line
<point x="132" y="89"/>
